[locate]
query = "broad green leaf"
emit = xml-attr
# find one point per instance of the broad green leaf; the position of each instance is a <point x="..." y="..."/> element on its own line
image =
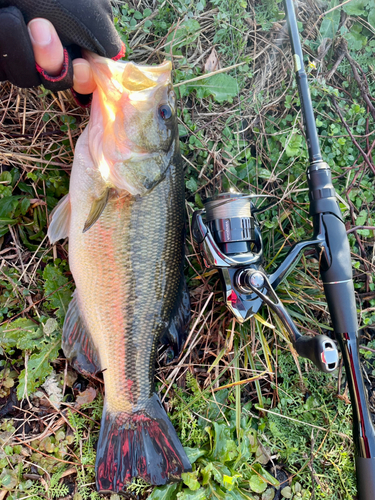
<point x="355" y="7"/>
<point x="355" y="39"/>
<point x="221" y="87"/>
<point x="194" y="453"/>
<point x="257" y="484"/>
<point x="330" y="24"/>
<point x="225" y="448"/>
<point x="7" y="206"/>
<point x="191" y="480"/>
<point x="38" y="367"/>
<point x="371" y="18"/>
<point x="167" y="492"/>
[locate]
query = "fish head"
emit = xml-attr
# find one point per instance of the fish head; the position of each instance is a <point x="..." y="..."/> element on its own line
<point x="133" y="133"/>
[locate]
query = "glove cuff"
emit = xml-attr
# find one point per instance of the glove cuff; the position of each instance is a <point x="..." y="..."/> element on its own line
<point x="121" y="53"/>
<point x="63" y="80"/>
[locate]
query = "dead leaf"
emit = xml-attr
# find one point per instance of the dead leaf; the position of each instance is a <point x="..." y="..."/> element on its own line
<point x="212" y="62"/>
<point x="35" y="202"/>
<point x="53" y="389"/>
<point x="86" y="396"/>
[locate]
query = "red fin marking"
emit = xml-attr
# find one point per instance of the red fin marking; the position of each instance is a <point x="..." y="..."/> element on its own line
<point x="142" y="444"/>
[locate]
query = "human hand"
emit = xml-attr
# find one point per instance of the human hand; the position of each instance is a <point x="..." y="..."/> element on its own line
<point x="42" y="52"/>
<point x="49" y="55"/>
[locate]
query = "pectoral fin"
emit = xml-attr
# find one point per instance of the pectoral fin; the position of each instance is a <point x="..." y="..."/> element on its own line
<point x="97" y="208"/>
<point x="60" y="220"/>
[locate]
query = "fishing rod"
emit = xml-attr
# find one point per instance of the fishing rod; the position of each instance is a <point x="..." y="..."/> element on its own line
<point x="229" y="239"/>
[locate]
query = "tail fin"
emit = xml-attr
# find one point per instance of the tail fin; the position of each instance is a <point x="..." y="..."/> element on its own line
<point x="142" y="444"/>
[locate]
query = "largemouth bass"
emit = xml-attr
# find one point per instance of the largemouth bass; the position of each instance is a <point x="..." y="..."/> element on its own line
<point x="124" y="216"/>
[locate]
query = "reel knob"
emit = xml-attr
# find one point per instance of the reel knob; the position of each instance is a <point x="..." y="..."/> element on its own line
<point x="321" y="350"/>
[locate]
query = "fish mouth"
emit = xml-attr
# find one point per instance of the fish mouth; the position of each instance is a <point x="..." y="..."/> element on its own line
<point x="127" y="77"/>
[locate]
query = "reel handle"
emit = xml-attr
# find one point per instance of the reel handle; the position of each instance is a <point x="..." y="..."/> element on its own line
<point x="321" y="350"/>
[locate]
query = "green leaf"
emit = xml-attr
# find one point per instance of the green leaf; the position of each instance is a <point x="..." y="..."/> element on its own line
<point x="25" y="188"/>
<point x="191" y="480"/>
<point x="22" y="333"/>
<point x="167" y="492"/>
<point x="371" y="18"/>
<point x="186" y="33"/>
<point x="230" y="482"/>
<point x="294" y="146"/>
<point x="25" y="204"/>
<point x="221" y="87"/>
<point x="257" y="484"/>
<point x="225" y="449"/>
<point x="193" y="495"/>
<point x="354" y="38"/>
<point x="38" y="368"/>
<point x="330" y="24"/>
<point x="268" y="494"/>
<point x="266" y="475"/>
<point x="191" y="184"/>
<point x="7" y="206"/>
<point x="355" y="7"/>
<point x="57" y="289"/>
<point x="6" y="177"/>
<point x="263" y="173"/>
<point x="287" y="492"/>
<point x="194" y="453"/>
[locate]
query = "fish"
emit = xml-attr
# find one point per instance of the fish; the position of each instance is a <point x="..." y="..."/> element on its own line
<point x="124" y="216"/>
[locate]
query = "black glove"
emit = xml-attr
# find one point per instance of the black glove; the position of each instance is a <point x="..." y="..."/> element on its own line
<point x="84" y="24"/>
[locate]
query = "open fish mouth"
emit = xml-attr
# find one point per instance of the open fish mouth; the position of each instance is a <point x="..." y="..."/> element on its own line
<point x="128" y="77"/>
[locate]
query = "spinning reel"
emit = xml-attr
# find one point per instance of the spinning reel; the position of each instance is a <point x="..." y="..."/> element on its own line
<point x="229" y="239"/>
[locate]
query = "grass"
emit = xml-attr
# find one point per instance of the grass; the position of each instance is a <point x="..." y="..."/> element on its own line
<point x="245" y="407"/>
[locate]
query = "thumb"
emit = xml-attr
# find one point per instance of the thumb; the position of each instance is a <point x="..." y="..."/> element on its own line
<point x="48" y="49"/>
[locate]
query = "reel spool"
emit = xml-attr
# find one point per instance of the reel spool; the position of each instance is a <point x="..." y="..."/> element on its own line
<point x="229" y="218"/>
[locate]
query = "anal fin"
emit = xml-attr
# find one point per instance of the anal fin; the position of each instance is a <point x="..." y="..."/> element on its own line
<point x="77" y="343"/>
<point x="175" y="334"/>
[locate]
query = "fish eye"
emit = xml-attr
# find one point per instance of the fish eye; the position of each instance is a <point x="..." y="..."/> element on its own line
<point x="165" y="111"/>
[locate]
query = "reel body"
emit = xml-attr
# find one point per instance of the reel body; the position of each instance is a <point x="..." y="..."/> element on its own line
<point x="229" y="239"/>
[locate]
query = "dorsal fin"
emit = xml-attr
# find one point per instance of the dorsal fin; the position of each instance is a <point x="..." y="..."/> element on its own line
<point x="60" y="220"/>
<point x="77" y="343"/>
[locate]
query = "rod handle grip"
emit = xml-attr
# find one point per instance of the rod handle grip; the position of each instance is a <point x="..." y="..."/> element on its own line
<point x="365" y="468"/>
